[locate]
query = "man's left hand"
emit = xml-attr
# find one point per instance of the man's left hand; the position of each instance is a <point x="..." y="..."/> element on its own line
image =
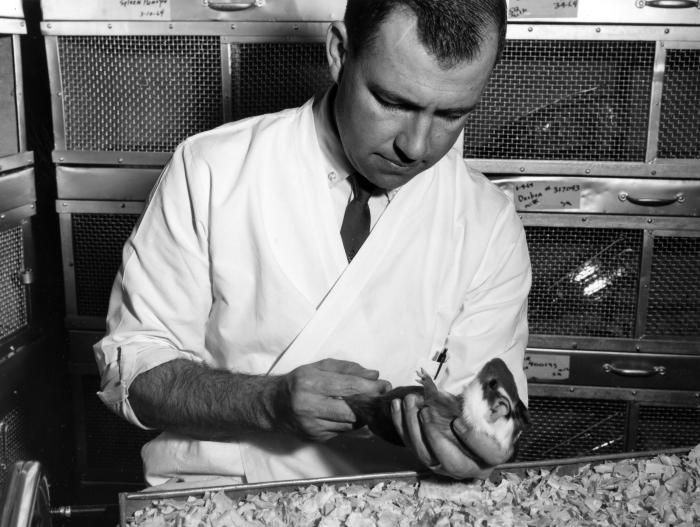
<point x="431" y="439"/>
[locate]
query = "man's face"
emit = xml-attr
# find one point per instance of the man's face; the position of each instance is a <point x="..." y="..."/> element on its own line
<point x="397" y="111"/>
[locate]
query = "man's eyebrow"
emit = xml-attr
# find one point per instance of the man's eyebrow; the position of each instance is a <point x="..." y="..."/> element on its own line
<point x="395" y="98"/>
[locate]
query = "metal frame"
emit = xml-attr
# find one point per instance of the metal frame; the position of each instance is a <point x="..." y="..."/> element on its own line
<point x="21" y="216"/>
<point x="280" y="32"/>
<point x="17" y="189"/>
<point x="65" y="208"/>
<point x="15" y="28"/>
<point x="651" y="226"/>
<point x="105" y="183"/>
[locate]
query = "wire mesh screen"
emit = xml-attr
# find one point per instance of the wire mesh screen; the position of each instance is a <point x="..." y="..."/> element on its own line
<point x="565" y="100"/>
<point x="97" y="251"/>
<point x="584" y="281"/>
<point x="14" y="444"/>
<point x="13" y="295"/>
<point x="661" y="427"/>
<point x="112" y="444"/>
<point x="9" y="132"/>
<point x="139" y="93"/>
<point x="573" y="427"/>
<point x="269" y="77"/>
<point x="674" y="288"/>
<point x="679" y="134"/>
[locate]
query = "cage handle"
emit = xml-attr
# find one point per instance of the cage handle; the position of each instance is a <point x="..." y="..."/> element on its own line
<point x="634" y="372"/>
<point x="651" y="202"/>
<point x="668" y="4"/>
<point x="224" y="5"/>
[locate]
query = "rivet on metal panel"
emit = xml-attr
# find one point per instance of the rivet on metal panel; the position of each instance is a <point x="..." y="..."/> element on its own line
<point x="170" y="26"/>
<point x="571" y="388"/>
<point x="681" y="198"/>
<point x="295" y="27"/>
<point x="61" y="159"/>
<point x="650" y="220"/>
<point x="697" y="395"/>
<point x="530" y="28"/>
<point x="574" y="346"/>
<point x="667" y="31"/>
<point x="522" y="169"/>
<point x="31" y="207"/>
<point x="120" y="160"/>
<point x="21" y="24"/>
<point x="64" y="204"/>
<point x="233" y="26"/>
<point x="27" y="277"/>
<point x="634" y="392"/>
<point x="122" y="205"/>
<point x="48" y="26"/>
<point x="109" y="26"/>
<point x="588" y="171"/>
<point x="584" y="219"/>
<point x="2" y="216"/>
<point x="597" y="30"/>
<point x="638" y="348"/>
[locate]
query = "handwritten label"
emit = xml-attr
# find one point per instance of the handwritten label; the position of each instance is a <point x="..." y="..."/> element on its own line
<point x="545" y="195"/>
<point x="546" y="367"/>
<point x="542" y="9"/>
<point x="145" y="9"/>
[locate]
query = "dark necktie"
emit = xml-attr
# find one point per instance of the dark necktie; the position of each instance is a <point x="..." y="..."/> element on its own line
<point x="356" y="222"/>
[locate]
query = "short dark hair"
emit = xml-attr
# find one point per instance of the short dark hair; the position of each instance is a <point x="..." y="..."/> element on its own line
<point x="451" y="30"/>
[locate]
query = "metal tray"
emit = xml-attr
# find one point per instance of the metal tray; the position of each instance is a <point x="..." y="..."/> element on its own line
<point x="131" y="502"/>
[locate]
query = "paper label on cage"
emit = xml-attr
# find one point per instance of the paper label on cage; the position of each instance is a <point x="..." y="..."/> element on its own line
<point x="541" y="195"/>
<point x="542" y="9"/>
<point x="546" y="367"/>
<point x="145" y="9"/>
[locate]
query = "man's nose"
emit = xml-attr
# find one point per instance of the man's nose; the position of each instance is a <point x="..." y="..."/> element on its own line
<point x="413" y="141"/>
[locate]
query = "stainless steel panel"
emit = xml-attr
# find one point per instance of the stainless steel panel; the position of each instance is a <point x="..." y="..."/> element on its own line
<point x="9" y="82"/>
<point x="604" y="12"/>
<point x="636" y="371"/>
<point x="165" y="10"/>
<point x="20" y="160"/>
<point x="11" y="9"/>
<point x="122" y="184"/>
<point x="17" y="189"/>
<point x="602" y="195"/>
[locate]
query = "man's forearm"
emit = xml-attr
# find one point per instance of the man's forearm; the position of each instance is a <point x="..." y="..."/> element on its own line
<point x="201" y="402"/>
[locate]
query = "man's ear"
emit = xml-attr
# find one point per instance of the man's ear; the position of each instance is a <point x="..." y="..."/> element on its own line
<point x="336" y="48"/>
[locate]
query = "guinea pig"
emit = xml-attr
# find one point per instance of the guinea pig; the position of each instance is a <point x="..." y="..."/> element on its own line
<point x="486" y="418"/>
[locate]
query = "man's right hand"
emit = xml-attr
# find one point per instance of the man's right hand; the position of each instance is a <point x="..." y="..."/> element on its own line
<point x="308" y="400"/>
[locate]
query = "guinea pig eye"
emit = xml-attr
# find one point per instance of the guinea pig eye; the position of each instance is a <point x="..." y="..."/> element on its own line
<point x="493" y="383"/>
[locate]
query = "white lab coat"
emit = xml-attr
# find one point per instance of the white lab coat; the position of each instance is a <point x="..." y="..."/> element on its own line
<point x="238" y="262"/>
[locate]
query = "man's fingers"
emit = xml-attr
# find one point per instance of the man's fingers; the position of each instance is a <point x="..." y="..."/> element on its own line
<point x="397" y="419"/>
<point x="414" y="430"/>
<point x="339" y="385"/>
<point x="348" y="368"/>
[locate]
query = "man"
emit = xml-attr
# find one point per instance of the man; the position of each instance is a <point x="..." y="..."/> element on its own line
<point x="249" y="301"/>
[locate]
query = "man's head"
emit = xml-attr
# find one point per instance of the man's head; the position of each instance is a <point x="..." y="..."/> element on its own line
<point x="408" y="72"/>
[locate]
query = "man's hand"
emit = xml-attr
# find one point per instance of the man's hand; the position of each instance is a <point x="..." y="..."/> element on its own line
<point x="307" y="401"/>
<point x="430" y="437"/>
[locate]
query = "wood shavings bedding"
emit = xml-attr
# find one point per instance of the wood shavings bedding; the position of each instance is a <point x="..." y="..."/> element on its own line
<point x="664" y="490"/>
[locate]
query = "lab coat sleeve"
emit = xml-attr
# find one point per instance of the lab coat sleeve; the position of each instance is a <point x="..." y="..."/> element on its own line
<point x="492" y="321"/>
<point x="162" y="293"/>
